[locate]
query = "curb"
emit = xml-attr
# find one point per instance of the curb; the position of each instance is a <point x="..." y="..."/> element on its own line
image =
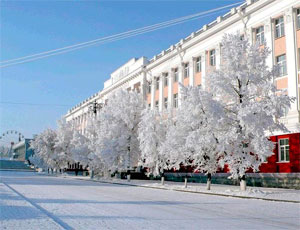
<point x="195" y="192"/>
<point x="18" y="170"/>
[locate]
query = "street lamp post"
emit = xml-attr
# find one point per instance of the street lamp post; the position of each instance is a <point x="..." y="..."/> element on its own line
<point x="94" y="107"/>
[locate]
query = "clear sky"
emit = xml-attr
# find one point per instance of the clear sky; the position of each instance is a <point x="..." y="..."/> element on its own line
<point x="62" y="81"/>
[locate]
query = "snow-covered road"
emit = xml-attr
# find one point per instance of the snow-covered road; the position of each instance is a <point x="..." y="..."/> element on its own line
<point x="33" y="201"/>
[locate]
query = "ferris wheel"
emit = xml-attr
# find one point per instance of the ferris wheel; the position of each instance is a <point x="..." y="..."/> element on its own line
<point x="7" y="140"/>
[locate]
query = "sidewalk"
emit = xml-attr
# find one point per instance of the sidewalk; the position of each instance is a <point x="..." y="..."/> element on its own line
<point x="261" y="193"/>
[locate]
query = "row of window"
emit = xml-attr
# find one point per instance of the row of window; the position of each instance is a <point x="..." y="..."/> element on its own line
<point x="279" y="31"/>
<point x="260" y="38"/>
<point x="186" y="73"/>
<point x="280" y="61"/>
<point x="279" y="28"/>
<point x="175" y="102"/>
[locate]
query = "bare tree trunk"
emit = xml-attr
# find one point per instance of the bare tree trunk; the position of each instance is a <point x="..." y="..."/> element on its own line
<point x="91" y="174"/>
<point x="163" y="178"/>
<point x="208" y="183"/>
<point x="243" y="183"/>
<point x="128" y="175"/>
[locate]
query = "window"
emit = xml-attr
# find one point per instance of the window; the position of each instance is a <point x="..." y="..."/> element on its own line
<point x="284" y="150"/>
<point x="149" y="88"/>
<point x="157" y="83"/>
<point x="285" y="110"/>
<point x="260" y="35"/>
<point x="279" y="27"/>
<point x="149" y="105"/>
<point x="176" y="75"/>
<point x="156" y="104"/>
<point x="198" y="64"/>
<point x="176" y="100"/>
<point x="298" y="18"/>
<point x="281" y="62"/>
<point x="166" y="102"/>
<point x="299" y="58"/>
<point x="186" y="70"/>
<point x="212" y="57"/>
<point x="166" y="80"/>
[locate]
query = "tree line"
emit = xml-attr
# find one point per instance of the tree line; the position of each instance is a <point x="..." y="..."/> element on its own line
<point x="227" y="123"/>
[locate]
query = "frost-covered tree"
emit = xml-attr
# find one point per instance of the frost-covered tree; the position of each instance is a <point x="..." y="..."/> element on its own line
<point x="203" y="118"/>
<point x="244" y="85"/>
<point x="63" y="144"/>
<point x="95" y="163"/>
<point x="174" y="147"/>
<point x="117" y="131"/>
<point x="44" y="151"/>
<point x="194" y="137"/>
<point x="79" y="149"/>
<point x="151" y="134"/>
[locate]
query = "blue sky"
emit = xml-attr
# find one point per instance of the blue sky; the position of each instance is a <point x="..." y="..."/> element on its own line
<point x="62" y="81"/>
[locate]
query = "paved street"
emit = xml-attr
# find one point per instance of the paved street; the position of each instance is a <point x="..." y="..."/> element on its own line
<point x="33" y="201"/>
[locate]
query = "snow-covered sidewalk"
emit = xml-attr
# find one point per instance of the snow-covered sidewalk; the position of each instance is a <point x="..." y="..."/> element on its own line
<point x="272" y="194"/>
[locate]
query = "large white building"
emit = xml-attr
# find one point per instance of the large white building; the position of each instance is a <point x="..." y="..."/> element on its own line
<point x="277" y="22"/>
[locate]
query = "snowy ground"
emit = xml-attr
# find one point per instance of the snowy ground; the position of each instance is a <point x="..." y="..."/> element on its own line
<point x="276" y="194"/>
<point x="34" y="201"/>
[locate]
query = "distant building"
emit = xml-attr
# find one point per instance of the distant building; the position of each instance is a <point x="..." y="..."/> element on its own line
<point x="22" y="150"/>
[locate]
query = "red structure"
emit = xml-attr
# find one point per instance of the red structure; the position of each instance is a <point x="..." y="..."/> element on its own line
<point x="286" y="157"/>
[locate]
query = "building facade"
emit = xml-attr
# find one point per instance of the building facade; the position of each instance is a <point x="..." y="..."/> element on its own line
<point x="22" y="150"/>
<point x="276" y="22"/>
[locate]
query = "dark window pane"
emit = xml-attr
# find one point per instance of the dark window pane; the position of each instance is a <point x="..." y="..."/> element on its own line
<point x="286" y="141"/>
<point x="282" y="154"/>
<point x="281" y="141"/>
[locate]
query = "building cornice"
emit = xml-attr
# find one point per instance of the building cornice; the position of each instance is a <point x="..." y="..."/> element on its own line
<point x="208" y="30"/>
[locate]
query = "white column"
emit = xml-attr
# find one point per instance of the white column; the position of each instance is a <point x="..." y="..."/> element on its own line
<point x="180" y="80"/>
<point x="161" y="92"/>
<point x="192" y="72"/>
<point x="81" y="124"/>
<point x="291" y="60"/>
<point x="170" y="89"/>
<point x="153" y="85"/>
<point x="84" y="124"/>
<point x="269" y="41"/>
<point x="203" y="69"/>
<point x="144" y="85"/>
